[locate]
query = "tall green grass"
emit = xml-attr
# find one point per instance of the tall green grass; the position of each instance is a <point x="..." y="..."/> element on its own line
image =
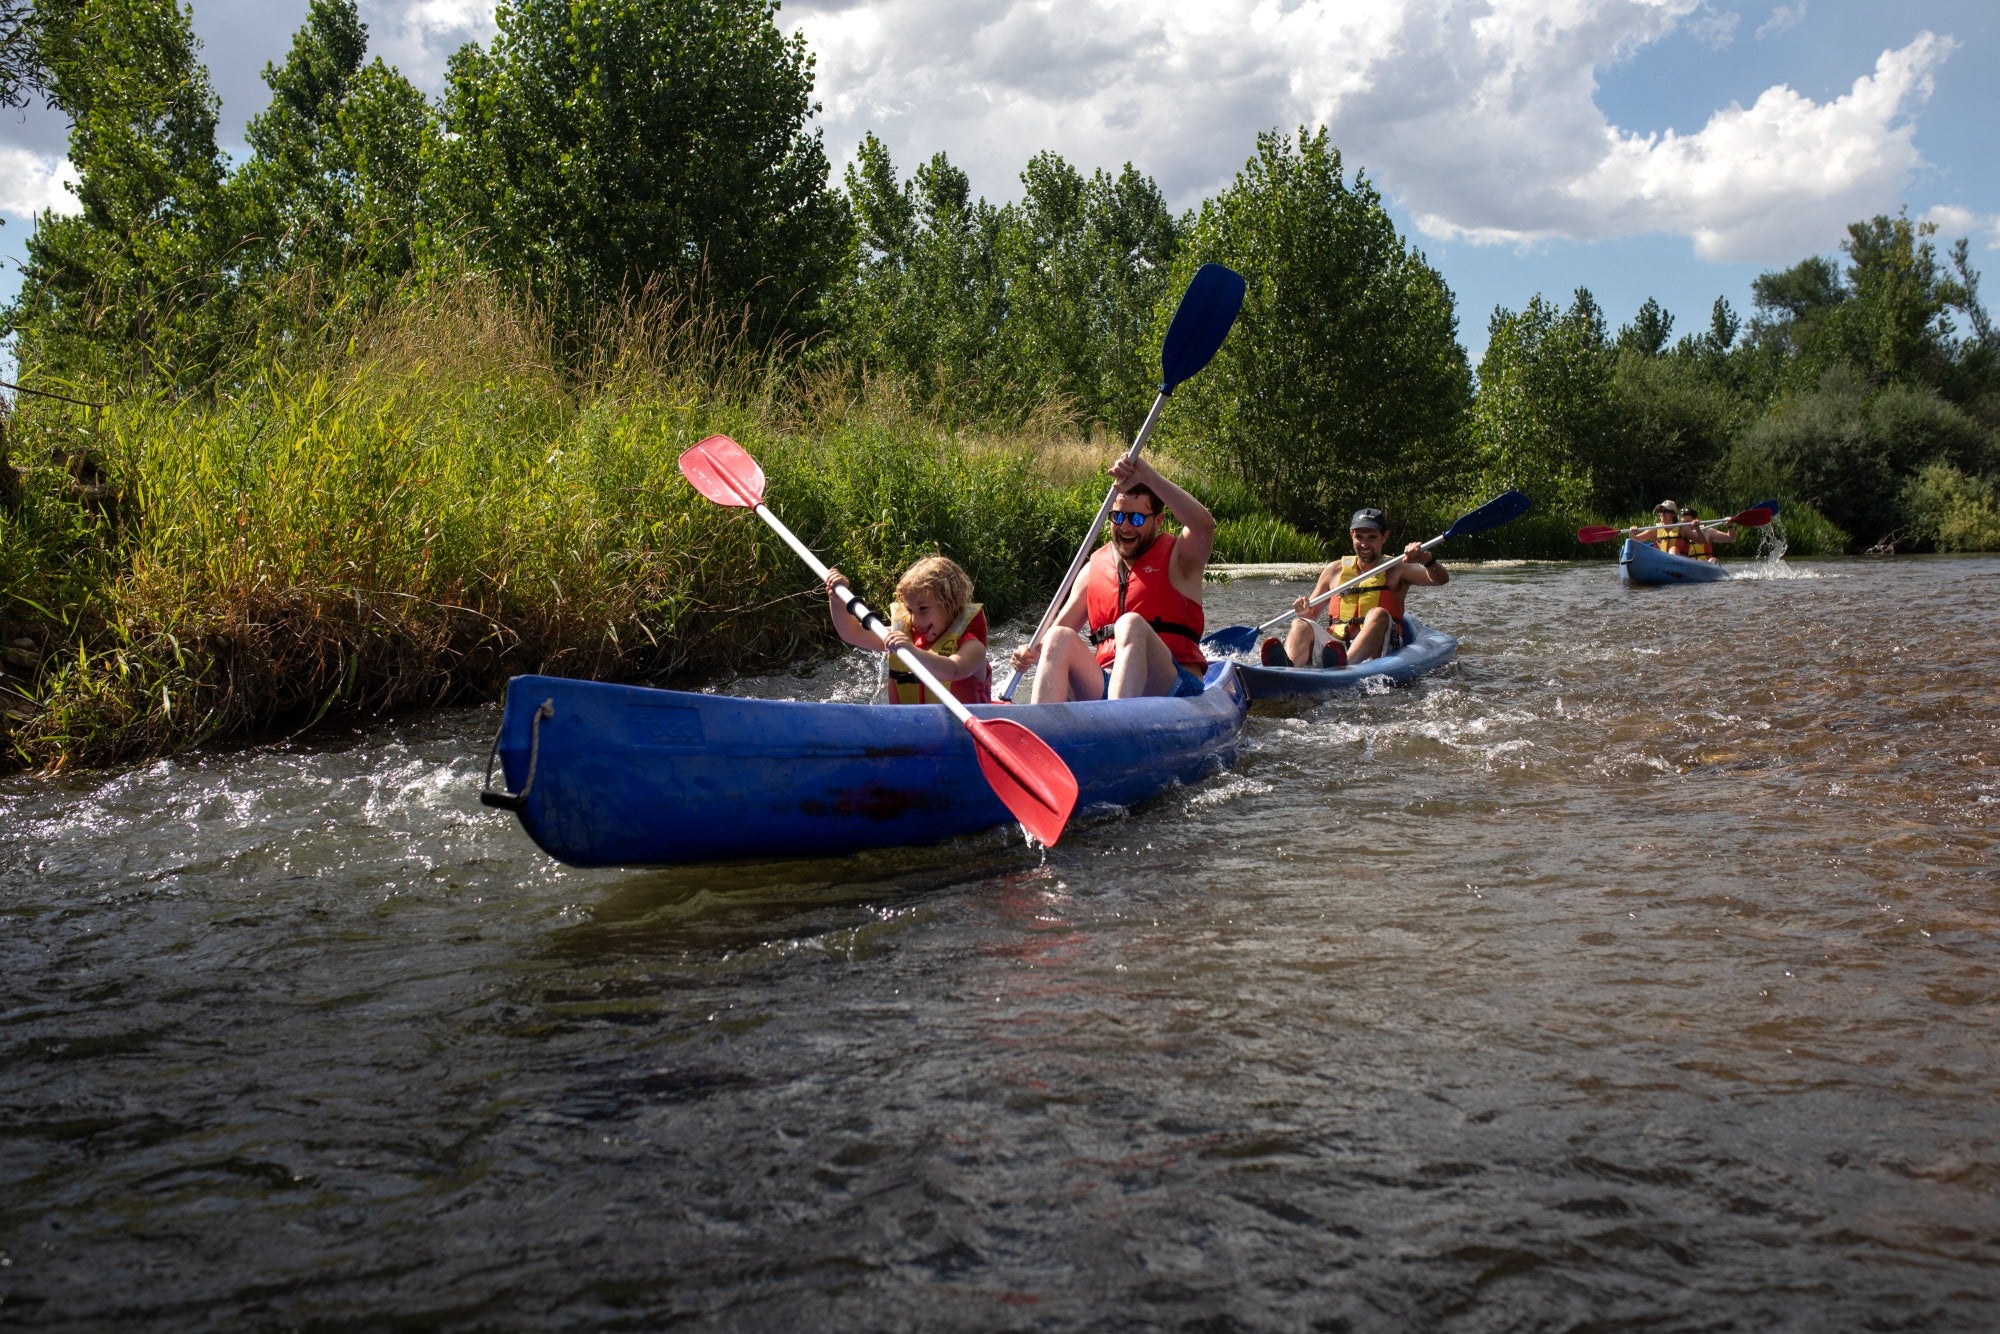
<point x="438" y="507"/>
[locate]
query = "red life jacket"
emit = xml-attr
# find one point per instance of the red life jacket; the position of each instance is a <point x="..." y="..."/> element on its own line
<point x="1113" y="588"/>
<point x="905" y="688"/>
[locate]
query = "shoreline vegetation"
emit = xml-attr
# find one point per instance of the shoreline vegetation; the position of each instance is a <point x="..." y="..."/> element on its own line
<point x="391" y="407"/>
<point x="436" y="504"/>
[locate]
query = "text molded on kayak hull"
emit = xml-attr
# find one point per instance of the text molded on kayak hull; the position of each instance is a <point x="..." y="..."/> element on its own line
<point x="1642" y="564"/>
<point x="1426" y="650"/>
<point x="634" y="776"/>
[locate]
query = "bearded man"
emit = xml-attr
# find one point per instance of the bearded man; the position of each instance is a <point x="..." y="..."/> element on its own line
<point x="1132" y="625"/>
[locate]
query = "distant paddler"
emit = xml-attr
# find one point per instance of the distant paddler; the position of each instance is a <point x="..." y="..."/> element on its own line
<point x="1132" y="624"/>
<point x="1702" y="540"/>
<point x="1667" y="534"/>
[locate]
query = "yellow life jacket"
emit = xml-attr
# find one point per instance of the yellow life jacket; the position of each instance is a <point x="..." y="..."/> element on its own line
<point x="1357" y="602"/>
<point x="1671" y="540"/>
<point x="1699" y="550"/>
<point x="905" y="688"/>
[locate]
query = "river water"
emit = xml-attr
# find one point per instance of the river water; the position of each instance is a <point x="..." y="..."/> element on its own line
<point x="1641" y="970"/>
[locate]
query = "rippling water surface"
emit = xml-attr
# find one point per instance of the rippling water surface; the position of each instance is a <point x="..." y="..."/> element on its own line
<point x="1641" y="970"/>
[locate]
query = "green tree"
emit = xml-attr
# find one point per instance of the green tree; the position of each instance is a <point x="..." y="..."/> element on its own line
<point x="603" y="145"/>
<point x="1648" y="332"/>
<point x="927" y="301"/>
<point x="1888" y="313"/>
<point x="1085" y="264"/>
<point x="1342" y="381"/>
<point x="1895" y="321"/>
<point x="1546" y="421"/>
<point x="336" y="166"/>
<point x="1672" y="423"/>
<point x="133" y="283"/>
<point x="20" y="54"/>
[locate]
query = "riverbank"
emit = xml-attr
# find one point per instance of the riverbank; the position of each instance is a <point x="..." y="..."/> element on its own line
<point x="441" y="507"/>
<point x="436" y="505"/>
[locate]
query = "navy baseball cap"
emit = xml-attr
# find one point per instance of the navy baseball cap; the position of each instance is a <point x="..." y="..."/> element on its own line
<point x="1369" y="518"/>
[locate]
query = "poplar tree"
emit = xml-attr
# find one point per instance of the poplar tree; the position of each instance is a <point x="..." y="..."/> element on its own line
<point x="131" y="285"/>
<point x="1342" y="382"/>
<point x="602" y="145"/>
<point x="335" y="171"/>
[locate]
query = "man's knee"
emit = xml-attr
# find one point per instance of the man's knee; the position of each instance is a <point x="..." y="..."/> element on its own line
<point x="1061" y="639"/>
<point x="1131" y="628"/>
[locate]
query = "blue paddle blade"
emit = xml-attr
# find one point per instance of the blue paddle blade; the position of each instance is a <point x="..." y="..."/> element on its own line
<point x="1506" y="506"/>
<point x="1770" y="505"/>
<point x="1232" y="639"/>
<point x="1201" y="322"/>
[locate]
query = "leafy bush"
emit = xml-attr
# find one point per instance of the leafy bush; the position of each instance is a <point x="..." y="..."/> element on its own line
<point x="1848" y="452"/>
<point x="1951" y="511"/>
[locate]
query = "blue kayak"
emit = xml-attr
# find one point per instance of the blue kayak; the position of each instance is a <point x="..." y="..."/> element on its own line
<point x="1641" y="564"/>
<point x="1425" y="650"/>
<point x="611" y="775"/>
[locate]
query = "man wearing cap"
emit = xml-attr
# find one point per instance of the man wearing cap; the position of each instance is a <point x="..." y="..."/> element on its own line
<point x="1701" y="539"/>
<point x="1665" y="535"/>
<point x="1367" y="620"/>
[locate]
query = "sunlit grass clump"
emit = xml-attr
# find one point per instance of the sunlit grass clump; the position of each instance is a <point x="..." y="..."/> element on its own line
<point x="439" y="506"/>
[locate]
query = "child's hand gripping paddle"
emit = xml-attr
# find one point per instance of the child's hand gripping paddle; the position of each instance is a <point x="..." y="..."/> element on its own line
<point x="1030" y="779"/>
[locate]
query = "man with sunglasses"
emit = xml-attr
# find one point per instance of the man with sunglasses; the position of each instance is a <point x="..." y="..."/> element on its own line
<point x="1132" y="625"/>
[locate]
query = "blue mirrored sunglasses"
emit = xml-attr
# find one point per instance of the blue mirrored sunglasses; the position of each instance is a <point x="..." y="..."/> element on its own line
<point x="1132" y="517"/>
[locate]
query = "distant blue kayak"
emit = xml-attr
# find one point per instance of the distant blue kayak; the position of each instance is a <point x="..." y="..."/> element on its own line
<point x="1426" y="650"/>
<point x="628" y="776"/>
<point x="1641" y="564"/>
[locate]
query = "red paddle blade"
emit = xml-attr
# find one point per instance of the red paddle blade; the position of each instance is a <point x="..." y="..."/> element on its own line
<point x="1597" y="533"/>
<point x="1030" y="779"/>
<point x="1752" y="518"/>
<point x="720" y="470"/>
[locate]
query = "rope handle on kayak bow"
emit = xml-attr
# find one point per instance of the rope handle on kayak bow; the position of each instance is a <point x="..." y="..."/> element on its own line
<point x="514" y="801"/>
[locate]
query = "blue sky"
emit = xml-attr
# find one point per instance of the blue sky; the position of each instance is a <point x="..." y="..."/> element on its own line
<point x="1665" y="148"/>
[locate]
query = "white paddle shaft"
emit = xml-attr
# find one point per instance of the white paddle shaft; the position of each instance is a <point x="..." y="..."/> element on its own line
<point x="859" y="610"/>
<point x="1361" y="578"/>
<point x="1089" y="540"/>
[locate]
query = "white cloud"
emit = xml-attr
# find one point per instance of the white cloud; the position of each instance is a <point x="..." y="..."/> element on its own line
<point x="1783" y="17"/>
<point x="1752" y="180"/>
<point x="419" y="36"/>
<point x="1954" y="222"/>
<point x="31" y="182"/>
<point x="1715" y="28"/>
<point x="1481" y="119"/>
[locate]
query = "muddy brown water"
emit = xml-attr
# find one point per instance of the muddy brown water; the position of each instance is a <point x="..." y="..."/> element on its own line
<point x="1642" y="969"/>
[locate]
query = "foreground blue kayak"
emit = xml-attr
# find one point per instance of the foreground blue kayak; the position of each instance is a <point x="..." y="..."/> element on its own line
<point x="610" y="775"/>
<point x="1425" y="650"/>
<point x="1641" y="564"/>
